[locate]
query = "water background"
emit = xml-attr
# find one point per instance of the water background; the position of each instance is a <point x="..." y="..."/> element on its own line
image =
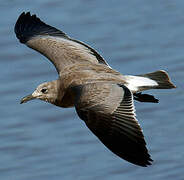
<point x="39" y="141"/>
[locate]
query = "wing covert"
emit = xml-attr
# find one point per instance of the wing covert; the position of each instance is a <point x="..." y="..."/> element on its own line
<point x="61" y="50"/>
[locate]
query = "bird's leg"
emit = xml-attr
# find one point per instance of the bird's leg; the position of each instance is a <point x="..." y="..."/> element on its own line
<point x="145" y="98"/>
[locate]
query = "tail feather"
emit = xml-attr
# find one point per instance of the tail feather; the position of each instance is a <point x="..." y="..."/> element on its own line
<point x="155" y="80"/>
<point x="162" y="79"/>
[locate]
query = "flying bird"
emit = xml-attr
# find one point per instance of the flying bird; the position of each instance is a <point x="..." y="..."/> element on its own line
<point x="102" y="97"/>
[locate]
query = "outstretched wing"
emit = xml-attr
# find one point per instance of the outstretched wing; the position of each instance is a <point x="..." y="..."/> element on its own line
<point x="53" y="43"/>
<point x="108" y="111"/>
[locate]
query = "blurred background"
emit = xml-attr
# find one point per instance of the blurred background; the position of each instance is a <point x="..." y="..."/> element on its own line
<point x="41" y="141"/>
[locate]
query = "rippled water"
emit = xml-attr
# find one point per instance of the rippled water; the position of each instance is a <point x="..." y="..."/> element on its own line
<point x="40" y="141"/>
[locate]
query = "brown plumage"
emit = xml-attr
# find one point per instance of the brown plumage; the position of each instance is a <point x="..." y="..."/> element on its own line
<point x="102" y="97"/>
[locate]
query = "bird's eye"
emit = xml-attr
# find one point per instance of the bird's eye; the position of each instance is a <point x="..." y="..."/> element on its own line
<point x="44" y="90"/>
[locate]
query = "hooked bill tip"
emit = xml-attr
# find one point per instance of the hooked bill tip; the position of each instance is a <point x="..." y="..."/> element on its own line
<point x="26" y="99"/>
<point x="22" y="101"/>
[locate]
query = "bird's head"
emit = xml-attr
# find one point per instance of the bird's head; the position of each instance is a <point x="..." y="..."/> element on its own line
<point x="47" y="91"/>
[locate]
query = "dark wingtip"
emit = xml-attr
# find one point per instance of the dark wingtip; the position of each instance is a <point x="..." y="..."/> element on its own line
<point x="148" y="163"/>
<point x="20" y="26"/>
<point x="28" y="26"/>
<point x="144" y="162"/>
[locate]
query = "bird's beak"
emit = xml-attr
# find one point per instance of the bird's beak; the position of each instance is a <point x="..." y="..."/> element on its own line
<point x="27" y="98"/>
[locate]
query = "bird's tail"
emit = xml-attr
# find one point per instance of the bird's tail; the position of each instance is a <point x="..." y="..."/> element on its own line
<point x="155" y="80"/>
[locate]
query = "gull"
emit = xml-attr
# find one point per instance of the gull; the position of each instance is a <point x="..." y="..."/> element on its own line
<point x="102" y="97"/>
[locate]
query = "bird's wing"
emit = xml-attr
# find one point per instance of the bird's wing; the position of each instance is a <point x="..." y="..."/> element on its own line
<point x="108" y="111"/>
<point x="53" y="43"/>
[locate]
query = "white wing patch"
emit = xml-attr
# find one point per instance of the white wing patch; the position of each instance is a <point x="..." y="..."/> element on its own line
<point x="135" y="82"/>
